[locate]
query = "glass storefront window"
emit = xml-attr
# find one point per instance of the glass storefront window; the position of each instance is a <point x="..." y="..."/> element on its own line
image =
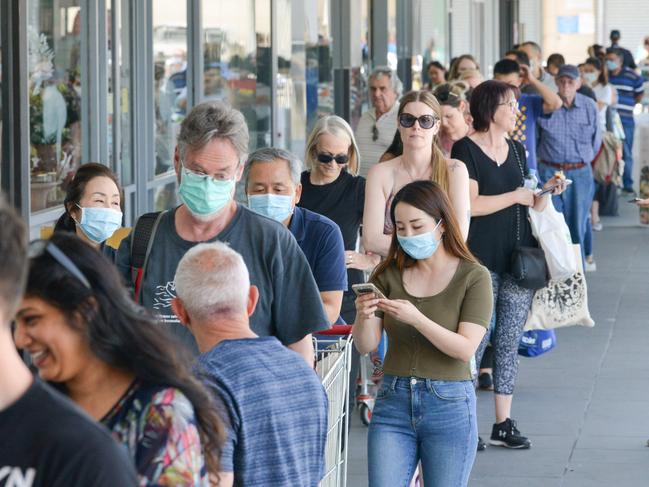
<point x="319" y="72"/>
<point x="237" y="62"/>
<point x="169" y="78"/>
<point x="54" y="43"/>
<point x="291" y="79"/>
<point x="119" y="147"/>
<point x="392" y="34"/>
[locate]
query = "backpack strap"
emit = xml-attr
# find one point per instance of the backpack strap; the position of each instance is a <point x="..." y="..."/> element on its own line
<point x="141" y="243"/>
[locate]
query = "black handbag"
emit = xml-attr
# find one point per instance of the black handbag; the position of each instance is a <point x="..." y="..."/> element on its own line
<point x="528" y="266"/>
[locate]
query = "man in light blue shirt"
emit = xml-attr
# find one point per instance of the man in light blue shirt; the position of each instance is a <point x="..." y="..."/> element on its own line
<point x="272" y="403"/>
<point x="570" y="138"/>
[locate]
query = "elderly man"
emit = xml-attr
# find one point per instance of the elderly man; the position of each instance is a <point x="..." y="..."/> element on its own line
<point x="46" y="441"/>
<point x="273" y="404"/>
<point x="212" y="146"/>
<point x="569" y="140"/>
<point x="630" y="89"/>
<point x="377" y="126"/>
<point x="272" y="182"/>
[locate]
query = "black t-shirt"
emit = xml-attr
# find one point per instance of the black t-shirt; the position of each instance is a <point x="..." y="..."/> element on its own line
<point x="492" y="238"/>
<point x="342" y="202"/>
<point x="47" y="442"/>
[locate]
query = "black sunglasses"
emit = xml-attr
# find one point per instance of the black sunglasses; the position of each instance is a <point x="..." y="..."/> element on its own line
<point x="375" y="133"/>
<point x="327" y="158"/>
<point x="425" y="121"/>
<point x="38" y="247"/>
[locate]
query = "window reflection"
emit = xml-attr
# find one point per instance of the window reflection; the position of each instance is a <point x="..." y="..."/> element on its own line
<point x="319" y="74"/>
<point x="169" y="78"/>
<point x="237" y="61"/>
<point x="54" y="43"/>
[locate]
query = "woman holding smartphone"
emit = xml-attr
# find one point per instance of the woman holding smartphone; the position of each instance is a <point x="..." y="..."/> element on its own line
<point x="438" y="306"/>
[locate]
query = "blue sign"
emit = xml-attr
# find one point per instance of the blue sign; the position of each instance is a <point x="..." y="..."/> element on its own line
<point x="568" y="24"/>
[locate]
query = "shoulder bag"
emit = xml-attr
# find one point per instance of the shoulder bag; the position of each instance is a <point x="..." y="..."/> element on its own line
<point x="528" y="266"/>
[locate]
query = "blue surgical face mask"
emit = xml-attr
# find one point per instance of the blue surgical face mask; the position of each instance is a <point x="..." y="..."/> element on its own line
<point x="276" y="206"/>
<point x="591" y="78"/>
<point x="203" y="195"/>
<point x="420" y="246"/>
<point x="98" y="224"/>
<point x="611" y="65"/>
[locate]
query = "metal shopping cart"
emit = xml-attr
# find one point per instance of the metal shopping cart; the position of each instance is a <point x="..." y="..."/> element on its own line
<point x="333" y="363"/>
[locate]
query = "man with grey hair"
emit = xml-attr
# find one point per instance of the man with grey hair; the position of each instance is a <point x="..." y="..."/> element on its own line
<point x="272" y="183"/>
<point x="270" y="441"/>
<point x="377" y="126"/>
<point x="212" y="147"/>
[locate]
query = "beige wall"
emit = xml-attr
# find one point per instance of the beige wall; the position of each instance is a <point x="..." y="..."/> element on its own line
<point x="572" y="45"/>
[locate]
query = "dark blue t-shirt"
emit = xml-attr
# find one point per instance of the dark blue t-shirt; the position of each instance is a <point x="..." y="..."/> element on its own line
<point x="275" y="410"/>
<point x="530" y="108"/>
<point x="322" y="244"/>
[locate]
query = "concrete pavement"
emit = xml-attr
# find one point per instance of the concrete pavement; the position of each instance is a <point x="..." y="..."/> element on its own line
<point x="584" y="405"/>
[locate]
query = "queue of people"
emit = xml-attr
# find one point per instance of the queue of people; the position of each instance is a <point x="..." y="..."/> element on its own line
<point x="185" y="352"/>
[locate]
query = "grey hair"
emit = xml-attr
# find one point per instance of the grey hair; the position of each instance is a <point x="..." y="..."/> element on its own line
<point x="269" y="154"/>
<point x="212" y="281"/>
<point x="211" y="120"/>
<point x="381" y="71"/>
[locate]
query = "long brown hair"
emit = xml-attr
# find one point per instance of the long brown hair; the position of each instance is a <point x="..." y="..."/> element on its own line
<point x="428" y="197"/>
<point x="439" y="171"/>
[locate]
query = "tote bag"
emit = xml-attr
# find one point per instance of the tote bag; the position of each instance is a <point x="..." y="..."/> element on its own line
<point x="563" y="302"/>
<point x="551" y="231"/>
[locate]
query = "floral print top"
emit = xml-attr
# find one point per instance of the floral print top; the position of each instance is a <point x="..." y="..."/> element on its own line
<point x="158" y="427"/>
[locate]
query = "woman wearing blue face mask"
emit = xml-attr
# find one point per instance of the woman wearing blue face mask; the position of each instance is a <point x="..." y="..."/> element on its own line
<point x="93" y="207"/>
<point x="437" y="308"/>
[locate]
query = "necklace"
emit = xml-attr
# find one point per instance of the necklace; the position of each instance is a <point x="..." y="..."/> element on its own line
<point x="492" y="153"/>
<point x="412" y="178"/>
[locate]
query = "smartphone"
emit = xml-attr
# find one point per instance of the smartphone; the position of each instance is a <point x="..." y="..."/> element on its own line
<point x="365" y="288"/>
<point x="634" y="200"/>
<point x="568" y="182"/>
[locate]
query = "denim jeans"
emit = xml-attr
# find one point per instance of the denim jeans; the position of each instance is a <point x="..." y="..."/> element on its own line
<point x="575" y="201"/>
<point x="422" y="420"/>
<point x="628" y="123"/>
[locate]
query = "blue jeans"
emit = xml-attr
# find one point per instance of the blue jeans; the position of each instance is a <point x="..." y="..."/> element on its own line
<point x="628" y="123"/>
<point x="422" y="420"/>
<point x="575" y="201"/>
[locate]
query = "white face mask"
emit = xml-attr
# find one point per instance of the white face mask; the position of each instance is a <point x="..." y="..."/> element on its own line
<point x="591" y="78"/>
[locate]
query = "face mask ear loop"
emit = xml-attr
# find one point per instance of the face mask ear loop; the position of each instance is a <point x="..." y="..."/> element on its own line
<point x="73" y="218"/>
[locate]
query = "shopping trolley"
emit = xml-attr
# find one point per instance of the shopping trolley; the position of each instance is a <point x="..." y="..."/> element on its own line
<point x="333" y="363"/>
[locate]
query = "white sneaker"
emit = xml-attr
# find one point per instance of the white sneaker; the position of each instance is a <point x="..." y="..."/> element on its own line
<point x="590" y="266"/>
<point x="598" y="227"/>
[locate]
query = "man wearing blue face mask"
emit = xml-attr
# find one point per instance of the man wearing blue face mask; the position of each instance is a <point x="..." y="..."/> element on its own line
<point x="212" y="145"/>
<point x="272" y="180"/>
<point x="630" y="89"/>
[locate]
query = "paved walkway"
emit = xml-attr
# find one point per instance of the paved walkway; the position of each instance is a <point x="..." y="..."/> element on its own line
<point x="585" y="405"/>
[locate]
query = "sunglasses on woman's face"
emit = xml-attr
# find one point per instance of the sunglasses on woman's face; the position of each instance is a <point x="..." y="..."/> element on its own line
<point x="327" y="158"/>
<point x="425" y="121"/>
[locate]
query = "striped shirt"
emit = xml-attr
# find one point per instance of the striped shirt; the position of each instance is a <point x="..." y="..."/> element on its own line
<point x="570" y="135"/>
<point x="629" y="84"/>
<point x="372" y="150"/>
<point x="275" y="411"/>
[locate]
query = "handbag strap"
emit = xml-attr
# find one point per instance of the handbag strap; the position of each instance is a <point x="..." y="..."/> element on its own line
<point x="518" y="212"/>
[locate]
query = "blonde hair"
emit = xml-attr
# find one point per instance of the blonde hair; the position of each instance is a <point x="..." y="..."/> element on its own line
<point x="439" y="171"/>
<point x="337" y="127"/>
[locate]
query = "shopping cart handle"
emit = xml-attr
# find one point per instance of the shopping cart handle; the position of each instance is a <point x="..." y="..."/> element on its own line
<point x="336" y="330"/>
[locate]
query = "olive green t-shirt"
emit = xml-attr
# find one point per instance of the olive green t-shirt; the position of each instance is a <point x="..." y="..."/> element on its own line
<point x="468" y="297"/>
